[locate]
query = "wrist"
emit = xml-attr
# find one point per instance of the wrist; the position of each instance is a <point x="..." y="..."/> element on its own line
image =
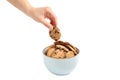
<point x="29" y="11"/>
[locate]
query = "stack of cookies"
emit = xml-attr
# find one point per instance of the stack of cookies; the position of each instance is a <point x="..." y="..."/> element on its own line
<point x="60" y="49"/>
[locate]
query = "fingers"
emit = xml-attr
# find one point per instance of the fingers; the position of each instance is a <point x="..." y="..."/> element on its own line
<point x="53" y="19"/>
<point x="50" y="15"/>
<point x="47" y="24"/>
<point x="43" y="13"/>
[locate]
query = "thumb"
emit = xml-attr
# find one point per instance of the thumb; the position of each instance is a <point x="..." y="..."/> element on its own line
<point x="47" y="24"/>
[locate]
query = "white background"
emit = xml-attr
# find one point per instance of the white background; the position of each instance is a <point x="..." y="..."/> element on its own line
<point x="91" y="25"/>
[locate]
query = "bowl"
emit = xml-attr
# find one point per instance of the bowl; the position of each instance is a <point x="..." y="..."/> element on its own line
<point x="60" y="66"/>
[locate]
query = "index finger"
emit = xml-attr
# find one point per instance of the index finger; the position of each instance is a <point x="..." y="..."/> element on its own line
<point x="52" y="17"/>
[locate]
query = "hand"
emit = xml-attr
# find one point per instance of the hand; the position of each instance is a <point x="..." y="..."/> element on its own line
<point x="43" y="13"/>
<point x="38" y="14"/>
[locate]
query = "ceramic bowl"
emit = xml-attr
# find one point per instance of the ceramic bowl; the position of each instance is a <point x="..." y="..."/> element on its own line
<point x="60" y="66"/>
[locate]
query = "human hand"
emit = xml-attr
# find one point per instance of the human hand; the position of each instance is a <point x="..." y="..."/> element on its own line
<point x="43" y="13"/>
<point x="38" y="14"/>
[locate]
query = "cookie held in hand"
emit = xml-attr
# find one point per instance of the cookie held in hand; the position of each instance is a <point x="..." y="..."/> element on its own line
<point x="55" y="33"/>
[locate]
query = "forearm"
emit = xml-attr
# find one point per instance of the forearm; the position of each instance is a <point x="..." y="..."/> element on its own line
<point x="22" y="5"/>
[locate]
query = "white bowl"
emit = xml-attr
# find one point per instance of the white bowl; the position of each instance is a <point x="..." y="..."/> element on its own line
<point x="60" y="66"/>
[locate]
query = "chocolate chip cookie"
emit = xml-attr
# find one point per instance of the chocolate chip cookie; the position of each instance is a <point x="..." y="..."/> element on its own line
<point x="55" y="33"/>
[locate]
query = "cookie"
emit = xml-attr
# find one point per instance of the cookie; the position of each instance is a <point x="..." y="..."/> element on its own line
<point x="50" y="51"/>
<point x="69" y="54"/>
<point x="67" y="46"/>
<point x="62" y="47"/>
<point x="55" y="33"/>
<point x="60" y="53"/>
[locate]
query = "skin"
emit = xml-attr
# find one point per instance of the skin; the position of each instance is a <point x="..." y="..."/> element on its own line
<point x="39" y="14"/>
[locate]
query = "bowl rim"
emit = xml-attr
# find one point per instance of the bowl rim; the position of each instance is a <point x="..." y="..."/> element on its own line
<point x="44" y="50"/>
